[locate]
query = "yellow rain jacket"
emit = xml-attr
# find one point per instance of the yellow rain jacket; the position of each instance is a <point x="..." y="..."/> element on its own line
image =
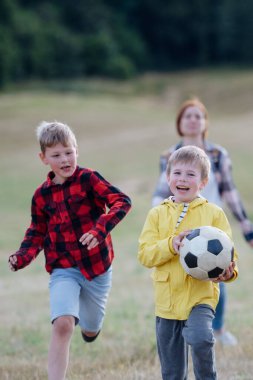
<point x="176" y="293"/>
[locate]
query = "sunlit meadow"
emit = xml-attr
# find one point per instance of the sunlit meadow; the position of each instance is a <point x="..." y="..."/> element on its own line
<point x="121" y="129"/>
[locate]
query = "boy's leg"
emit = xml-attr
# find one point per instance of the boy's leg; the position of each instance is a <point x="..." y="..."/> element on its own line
<point x="58" y="355"/>
<point x="172" y="349"/>
<point x="198" y="333"/>
<point x="64" y="303"/>
<point x="93" y="299"/>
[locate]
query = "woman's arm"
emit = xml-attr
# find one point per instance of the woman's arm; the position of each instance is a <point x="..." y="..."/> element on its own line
<point x="232" y="198"/>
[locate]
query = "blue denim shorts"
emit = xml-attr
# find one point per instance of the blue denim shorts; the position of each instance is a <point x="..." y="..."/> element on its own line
<point x="72" y="294"/>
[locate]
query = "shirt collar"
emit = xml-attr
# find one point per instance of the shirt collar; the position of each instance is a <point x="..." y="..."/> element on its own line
<point x="195" y="202"/>
<point x="51" y="175"/>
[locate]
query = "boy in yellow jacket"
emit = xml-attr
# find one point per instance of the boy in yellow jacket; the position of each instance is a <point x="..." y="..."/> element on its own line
<point x="184" y="306"/>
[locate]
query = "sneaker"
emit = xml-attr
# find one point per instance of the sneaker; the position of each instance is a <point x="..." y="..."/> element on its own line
<point x="89" y="339"/>
<point x="226" y="338"/>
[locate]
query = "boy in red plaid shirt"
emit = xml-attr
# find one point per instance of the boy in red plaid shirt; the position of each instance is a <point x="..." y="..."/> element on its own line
<point x="70" y="222"/>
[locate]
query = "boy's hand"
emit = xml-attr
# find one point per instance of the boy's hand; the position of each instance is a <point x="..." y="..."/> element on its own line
<point x="13" y="263"/>
<point x="177" y="240"/>
<point x="89" y="240"/>
<point x="227" y="274"/>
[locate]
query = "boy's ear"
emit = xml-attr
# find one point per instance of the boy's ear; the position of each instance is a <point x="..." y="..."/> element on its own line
<point x="203" y="183"/>
<point x="43" y="158"/>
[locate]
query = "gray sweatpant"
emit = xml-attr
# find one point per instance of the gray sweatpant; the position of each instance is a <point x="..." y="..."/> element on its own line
<point x="174" y="337"/>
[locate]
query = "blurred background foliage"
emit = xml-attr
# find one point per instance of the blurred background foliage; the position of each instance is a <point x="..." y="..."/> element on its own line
<point x="119" y="39"/>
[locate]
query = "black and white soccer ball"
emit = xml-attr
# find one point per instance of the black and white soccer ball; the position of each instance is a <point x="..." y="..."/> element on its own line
<point x="206" y="252"/>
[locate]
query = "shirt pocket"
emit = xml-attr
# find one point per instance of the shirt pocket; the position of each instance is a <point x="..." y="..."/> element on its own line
<point x="77" y="204"/>
<point x="162" y="289"/>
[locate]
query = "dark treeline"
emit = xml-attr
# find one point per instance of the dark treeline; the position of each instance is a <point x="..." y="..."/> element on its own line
<point x="119" y="38"/>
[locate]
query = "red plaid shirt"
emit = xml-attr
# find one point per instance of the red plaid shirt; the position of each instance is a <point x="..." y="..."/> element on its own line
<point x="61" y="214"/>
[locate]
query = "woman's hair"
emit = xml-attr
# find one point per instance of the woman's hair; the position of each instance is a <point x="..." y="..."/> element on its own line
<point x="194" y="102"/>
<point x="52" y="133"/>
<point x="190" y="155"/>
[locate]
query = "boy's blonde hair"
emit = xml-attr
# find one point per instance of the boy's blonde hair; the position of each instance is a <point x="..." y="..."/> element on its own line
<point x="52" y="133"/>
<point x="190" y="155"/>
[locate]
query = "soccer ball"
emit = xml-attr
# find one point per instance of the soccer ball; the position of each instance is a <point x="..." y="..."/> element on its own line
<point x="206" y="252"/>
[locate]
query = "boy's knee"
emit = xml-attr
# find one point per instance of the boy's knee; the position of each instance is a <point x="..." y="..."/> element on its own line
<point x="198" y="337"/>
<point x="64" y="325"/>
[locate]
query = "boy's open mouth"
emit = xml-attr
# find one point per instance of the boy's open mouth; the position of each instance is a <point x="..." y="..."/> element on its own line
<point x="66" y="168"/>
<point x="184" y="188"/>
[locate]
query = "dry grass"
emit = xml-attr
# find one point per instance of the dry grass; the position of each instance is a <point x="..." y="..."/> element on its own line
<point x="121" y="133"/>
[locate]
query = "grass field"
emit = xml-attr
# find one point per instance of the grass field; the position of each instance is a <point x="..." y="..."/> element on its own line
<point x="121" y="130"/>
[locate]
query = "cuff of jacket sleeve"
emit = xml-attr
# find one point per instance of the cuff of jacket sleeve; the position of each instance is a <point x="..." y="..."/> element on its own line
<point x="234" y="277"/>
<point x="171" y="246"/>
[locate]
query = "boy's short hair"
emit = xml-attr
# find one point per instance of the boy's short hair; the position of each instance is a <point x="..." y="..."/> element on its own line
<point x="52" y="133"/>
<point x="193" y="155"/>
